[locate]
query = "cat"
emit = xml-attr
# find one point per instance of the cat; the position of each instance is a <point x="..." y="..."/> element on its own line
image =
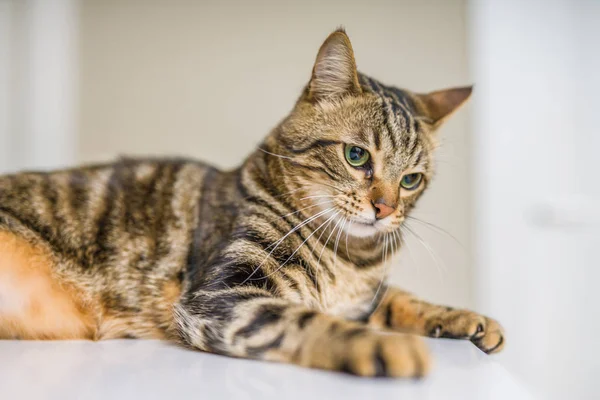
<point x="282" y="259"/>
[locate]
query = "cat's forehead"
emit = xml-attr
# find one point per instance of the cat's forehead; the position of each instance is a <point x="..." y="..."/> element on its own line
<point x="398" y="106"/>
<point x="401" y="129"/>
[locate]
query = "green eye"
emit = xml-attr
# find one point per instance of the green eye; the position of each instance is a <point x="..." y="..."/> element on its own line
<point x="411" y="181"/>
<point x="356" y="156"/>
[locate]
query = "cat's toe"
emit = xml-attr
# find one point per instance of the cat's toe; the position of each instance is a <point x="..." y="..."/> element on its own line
<point x="492" y="341"/>
<point x="386" y="355"/>
<point x="458" y="324"/>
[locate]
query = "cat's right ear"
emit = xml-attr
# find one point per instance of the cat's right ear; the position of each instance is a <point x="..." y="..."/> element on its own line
<point x="439" y="105"/>
<point x="334" y="74"/>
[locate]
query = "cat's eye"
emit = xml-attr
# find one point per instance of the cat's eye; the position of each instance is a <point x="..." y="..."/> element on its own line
<point x="411" y="181"/>
<point x="356" y="156"/>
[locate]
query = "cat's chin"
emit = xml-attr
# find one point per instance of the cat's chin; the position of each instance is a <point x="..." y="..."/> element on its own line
<point x="362" y="230"/>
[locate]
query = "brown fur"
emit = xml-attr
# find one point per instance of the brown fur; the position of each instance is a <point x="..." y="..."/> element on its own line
<point x="36" y="304"/>
<point x="281" y="259"/>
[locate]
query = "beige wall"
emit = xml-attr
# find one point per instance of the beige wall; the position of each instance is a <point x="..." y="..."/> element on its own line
<point x="209" y="79"/>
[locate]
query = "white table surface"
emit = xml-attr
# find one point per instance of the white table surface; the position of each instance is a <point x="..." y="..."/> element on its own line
<point x="135" y="369"/>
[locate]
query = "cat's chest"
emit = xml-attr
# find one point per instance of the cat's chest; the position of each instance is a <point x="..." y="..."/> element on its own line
<point x="351" y="293"/>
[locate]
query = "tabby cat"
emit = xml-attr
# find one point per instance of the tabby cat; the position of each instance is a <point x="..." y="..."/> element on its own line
<point x="281" y="259"/>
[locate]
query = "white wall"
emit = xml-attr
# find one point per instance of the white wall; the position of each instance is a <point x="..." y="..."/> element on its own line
<point x="536" y="140"/>
<point x="5" y="70"/>
<point x="52" y="74"/>
<point x="38" y="78"/>
<point x="210" y="79"/>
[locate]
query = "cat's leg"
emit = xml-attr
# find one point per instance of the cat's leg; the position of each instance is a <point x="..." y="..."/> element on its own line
<point x="400" y="310"/>
<point x="251" y="323"/>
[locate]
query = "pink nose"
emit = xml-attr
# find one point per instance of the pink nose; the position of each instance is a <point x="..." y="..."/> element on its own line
<point x="382" y="210"/>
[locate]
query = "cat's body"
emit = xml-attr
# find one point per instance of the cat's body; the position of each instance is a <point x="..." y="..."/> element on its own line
<point x="128" y="238"/>
<point x="280" y="259"/>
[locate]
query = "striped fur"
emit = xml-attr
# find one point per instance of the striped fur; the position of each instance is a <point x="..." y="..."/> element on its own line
<point x="281" y="259"/>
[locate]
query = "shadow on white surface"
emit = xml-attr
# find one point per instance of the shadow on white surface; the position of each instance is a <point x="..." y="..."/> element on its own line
<point x="130" y="369"/>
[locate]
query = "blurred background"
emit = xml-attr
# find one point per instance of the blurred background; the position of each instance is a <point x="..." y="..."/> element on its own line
<point x="515" y="224"/>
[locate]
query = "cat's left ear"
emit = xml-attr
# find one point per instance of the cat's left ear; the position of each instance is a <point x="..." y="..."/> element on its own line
<point x="334" y="73"/>
<point x="439" y="105"/>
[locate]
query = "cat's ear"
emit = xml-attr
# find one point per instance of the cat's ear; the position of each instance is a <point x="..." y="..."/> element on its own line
<point x="334" y="74"/>
<point x="439" y="105"/>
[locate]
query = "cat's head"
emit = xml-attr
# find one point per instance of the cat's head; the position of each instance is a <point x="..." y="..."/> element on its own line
<point x="356" y="147"/>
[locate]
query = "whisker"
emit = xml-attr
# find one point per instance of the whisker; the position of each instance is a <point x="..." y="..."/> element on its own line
<point x="437" y="229"/>
<point x="273" y="154"/>
<point x="302" y="209"/>
<point x="389" y="267"/>
<point x="327" y="241"/>
<point x="301" y="244"/>
<point x="278" y="242"/>
<point x="347" y="231"/>
<point x="385" y="245"/>
<point x="413" y="260"/>
<point x="337" y="241"/>
<point x="300" y="225"/>
<point x="331" y="186"/>
<point x="408" y="249"/>
<point x="432" y="253"/>
<point x="313" y="250"/>
<point x="324" y="246"/>
<point x="316" y="196"/>
<point x="394" y="245"/>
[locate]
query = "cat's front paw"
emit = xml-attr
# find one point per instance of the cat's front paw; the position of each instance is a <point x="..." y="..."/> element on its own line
<point x="485" y="333"/>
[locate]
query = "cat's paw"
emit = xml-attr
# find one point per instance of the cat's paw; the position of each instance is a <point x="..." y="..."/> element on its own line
<point x="385" y="355"/>
<point x="485" y="333"/>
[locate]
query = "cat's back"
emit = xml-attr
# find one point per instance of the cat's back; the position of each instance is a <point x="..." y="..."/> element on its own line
<point x="111" y="239"/>
<point x="85" y="212"/>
